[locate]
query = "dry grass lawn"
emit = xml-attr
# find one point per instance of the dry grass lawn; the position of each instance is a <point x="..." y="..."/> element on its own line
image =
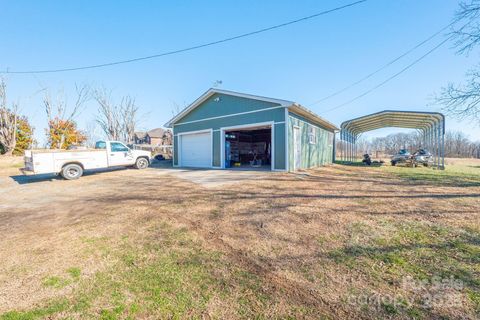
<point x="334" y="242"/>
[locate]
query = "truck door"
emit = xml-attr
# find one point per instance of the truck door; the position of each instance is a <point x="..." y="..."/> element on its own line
<point x="119" y="155"/>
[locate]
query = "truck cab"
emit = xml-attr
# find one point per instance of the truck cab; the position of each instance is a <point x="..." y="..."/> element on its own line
<point x="118" y="154"/>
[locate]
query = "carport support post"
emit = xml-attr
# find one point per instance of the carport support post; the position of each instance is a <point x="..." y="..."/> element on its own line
<point x="354" y="149"/>
<point x="443" y="144"/>
<point x="351" y="147"/>
<point x="434" y="148"/>
<point x="437" y="145"/>
<point x="349" y="159"/>
<point x="425" y="138"/>
<point x="430" y="147"/>
<point x="347" y="147"/>
<point x="342" y="145"/>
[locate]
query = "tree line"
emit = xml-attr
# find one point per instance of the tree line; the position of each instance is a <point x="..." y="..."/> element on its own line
<point x="117" y="120"/>
<point x="457" y="144"/>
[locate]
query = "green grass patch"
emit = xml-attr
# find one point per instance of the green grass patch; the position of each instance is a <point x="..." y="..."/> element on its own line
<point x="168" y="275"/>
<point x="459" y="175"/>
<point x="50" y="309"/>
<point x="454" y="175"/>
<point x="474" y="297"/>
<point x="75" y="273"/>
<point x="56" y="282"/>
<point x="419" y="250"/>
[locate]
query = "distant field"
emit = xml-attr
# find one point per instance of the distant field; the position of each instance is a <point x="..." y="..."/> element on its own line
<point x="343" y="242"/>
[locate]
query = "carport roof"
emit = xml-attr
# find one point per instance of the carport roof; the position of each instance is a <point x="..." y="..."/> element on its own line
<point x="392" y="118"/>
<point x="291" y="105"/>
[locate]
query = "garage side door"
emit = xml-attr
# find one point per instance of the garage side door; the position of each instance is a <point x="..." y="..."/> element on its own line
<point x="196" y="150"/>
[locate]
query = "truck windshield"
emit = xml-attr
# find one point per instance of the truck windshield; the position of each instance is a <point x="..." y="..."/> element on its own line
<point x="100" y="145"/>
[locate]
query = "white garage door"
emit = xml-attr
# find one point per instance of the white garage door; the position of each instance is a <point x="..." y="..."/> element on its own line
<point x="196" y="150"/>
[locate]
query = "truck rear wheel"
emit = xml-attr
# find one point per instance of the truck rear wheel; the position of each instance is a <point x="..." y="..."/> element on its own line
<point x="72" y="171"/>
<point x="141" y="163"/>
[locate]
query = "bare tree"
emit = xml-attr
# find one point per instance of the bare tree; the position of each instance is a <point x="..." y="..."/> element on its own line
<point x="58" y="108"/>
<point x="129" y="112"/>
<point x="118" y="122"/>
<point x="109" y="117"/>
<point x="8" y="122"/>
<point x="92" y="133"/>
<point x="59" y="116"/>
<point x="463" y="100"/>
<point x="467" y="36"/>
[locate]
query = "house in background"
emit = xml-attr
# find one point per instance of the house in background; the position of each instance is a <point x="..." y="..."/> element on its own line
<point x="154" y="137"/>
<point x="226" y="129"/>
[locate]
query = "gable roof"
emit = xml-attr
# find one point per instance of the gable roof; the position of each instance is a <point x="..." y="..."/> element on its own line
<point x="292" y="106"/>
<point x="140" y="134"/>
<point x="156" y="133"/>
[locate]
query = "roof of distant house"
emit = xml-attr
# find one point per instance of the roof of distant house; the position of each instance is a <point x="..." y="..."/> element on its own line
<point x="156" y="133"/>
<point x="140" y="134"/>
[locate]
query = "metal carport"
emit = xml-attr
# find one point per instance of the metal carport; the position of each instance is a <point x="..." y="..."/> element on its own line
<point x="430" y="124"/>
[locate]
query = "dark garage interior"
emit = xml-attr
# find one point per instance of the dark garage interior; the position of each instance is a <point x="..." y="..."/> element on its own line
<point x="249" y="148"/>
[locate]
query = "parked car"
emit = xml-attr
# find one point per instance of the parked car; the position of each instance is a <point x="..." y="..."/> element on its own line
<point x="71" y="164"/>
<point x="400" y="157"/>
<point x="422" y="157"/>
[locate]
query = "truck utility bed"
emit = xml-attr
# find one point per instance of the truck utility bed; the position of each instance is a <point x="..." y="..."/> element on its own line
<point x="51" y="161"/>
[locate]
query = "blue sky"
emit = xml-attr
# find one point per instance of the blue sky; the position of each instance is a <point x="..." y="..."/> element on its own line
<point x="302" y="62"/>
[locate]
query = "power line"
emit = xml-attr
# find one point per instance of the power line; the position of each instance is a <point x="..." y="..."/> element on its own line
<point x="391" y="77"/>
<point x="189" y="48"/>
<point x="384" y="66"/>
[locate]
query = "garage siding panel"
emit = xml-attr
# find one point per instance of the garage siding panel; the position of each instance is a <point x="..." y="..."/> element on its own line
<point x="175" y="150"/>
<point x="216" y="148"/>
<point x="279" y="141"/>
<point x="222" y="104"/>
<point x="277" y="115"/>
<point x="313" y="155"/>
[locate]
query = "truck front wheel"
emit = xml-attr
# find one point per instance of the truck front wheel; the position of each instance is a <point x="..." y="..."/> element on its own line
<point x="141" y="163"/>
<point x="72" y="171"/>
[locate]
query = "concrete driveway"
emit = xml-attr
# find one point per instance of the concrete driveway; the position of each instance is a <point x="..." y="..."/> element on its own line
<point x="210" y="178"/>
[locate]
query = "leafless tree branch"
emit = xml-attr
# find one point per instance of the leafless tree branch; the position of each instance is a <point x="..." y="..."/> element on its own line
<point x="8" y="121"/>
<point x="118" y="122"/>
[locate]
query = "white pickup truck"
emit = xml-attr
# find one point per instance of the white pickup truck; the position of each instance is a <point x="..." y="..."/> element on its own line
<point x="71" y="164"/>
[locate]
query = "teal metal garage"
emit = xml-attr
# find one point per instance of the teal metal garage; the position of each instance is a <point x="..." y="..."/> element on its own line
<point x="226" y="129"/>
